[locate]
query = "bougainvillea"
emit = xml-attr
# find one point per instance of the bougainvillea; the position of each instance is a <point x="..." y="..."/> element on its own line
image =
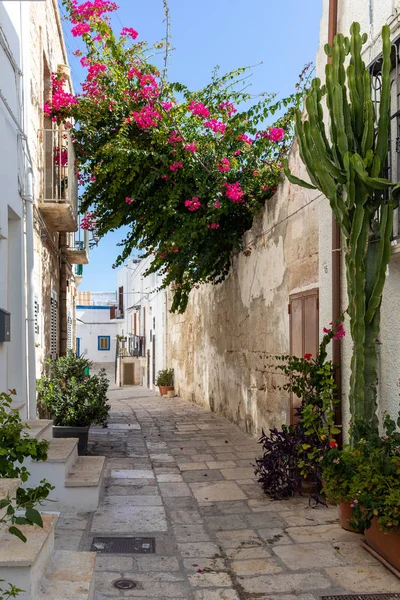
<point x="145" y="146"/>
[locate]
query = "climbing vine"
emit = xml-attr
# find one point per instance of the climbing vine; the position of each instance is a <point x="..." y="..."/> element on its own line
<point x="185" y="171"/>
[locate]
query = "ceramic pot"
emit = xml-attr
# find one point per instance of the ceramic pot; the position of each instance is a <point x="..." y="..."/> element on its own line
<point x="345" y="515"/>
<point x="82" y="433"/>
<point x="164" y="389"/>
<point x="385" y="544"/>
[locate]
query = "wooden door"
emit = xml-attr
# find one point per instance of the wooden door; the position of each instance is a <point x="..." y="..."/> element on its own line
<point x="304" y="332"/>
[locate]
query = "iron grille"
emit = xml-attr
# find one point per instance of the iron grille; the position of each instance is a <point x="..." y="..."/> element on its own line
<point x="123" y="545"/>
<point x="392" y="171"/>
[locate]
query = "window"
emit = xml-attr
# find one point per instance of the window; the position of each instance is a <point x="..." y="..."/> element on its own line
<point x="103" y="342"/>
<point x="121" y="299"/>
<point x="53" y="325"/>
<point x="69" y="332"/>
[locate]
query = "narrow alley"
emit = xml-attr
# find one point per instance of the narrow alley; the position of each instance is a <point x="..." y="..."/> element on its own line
<point x="182" y="476"/>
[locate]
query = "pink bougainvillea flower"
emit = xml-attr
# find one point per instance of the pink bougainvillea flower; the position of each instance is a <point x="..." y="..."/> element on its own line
<point x="193" y="204"/>
<point x="224" y="165"/>
<point x="166" y="105"/>
<point x="174" y="138"/>
<point x="234" y="192"/>
<point x="80" y="29"/>
<point x="308" y="356"/>
<point x="217" y="204"/>
<point x="164" y="177"/>
<point x="213" y="226"/>
<point x="274" y="134"/>
<point x="191" y="147"/>
<point x="147" y="117"/>
<point x="128" y="200"/>
<point x="215" y="126"/>
<point x="97" y="38"/>
<point x="133" y="73"/>
<point x="228" y="107"/>
<point x="89" y="9"/>
<point x="77" y="53"/>
<point x="255" y="173"/>
<point x="199" y="109"/>
<point x="245" y="138"/>
<point x="333" y="444"/>
<point x="176" y="165"/>
<point x="129" y="32"/>
<point x="339" y="332"/>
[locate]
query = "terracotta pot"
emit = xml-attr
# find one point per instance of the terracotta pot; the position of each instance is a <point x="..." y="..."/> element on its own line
<point x="345" y="515"/>
<point x="163" y="389"/>
<point x="385" y="544"/>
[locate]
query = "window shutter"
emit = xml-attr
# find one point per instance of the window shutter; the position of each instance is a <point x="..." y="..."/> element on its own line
<point x="112" y="312"/>
<point x="69" y="332"/>
<point x="53" y="325"/>
<point x="121" y="299"/>
<point x="37" y="317"/>
<point x="304" y="332"/>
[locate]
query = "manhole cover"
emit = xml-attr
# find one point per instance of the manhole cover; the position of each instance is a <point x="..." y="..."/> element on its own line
<point x="123" y="545"/>
<point x="124" y="584"/>
<point x="392" y="596"/>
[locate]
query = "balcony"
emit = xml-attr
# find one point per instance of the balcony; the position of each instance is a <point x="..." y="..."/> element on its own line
<point x="77" y="250"/>
<point x="132" y="345"/>
<point x="58" y="202"/>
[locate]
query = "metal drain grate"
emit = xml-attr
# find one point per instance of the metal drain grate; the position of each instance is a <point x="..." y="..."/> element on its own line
<point x="123" y="545"/>
<point x="392" y="596"/>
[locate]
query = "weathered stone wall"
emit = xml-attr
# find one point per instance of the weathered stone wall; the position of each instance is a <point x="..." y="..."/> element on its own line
<point x="221" y="347"/>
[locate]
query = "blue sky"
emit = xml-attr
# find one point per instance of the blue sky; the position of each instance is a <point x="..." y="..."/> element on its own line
<point x="282" y="34"/>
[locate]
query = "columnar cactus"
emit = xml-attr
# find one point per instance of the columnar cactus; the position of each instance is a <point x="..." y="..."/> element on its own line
<point x="347" y="166"/>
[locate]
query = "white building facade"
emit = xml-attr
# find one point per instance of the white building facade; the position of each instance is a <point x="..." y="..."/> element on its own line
<point x="96" y="331"/>
<point x="141" y="314"/>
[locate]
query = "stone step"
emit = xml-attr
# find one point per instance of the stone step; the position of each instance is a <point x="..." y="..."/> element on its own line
<point x="8" y="489"/>
<point x="41" y="429"/>
<point x="23" y="564"/>
<point x="61" y="457"/>
<point x="70" y="576"/>
<point x="84" y="483"/>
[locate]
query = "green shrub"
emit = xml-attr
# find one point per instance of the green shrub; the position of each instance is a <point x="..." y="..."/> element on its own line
<point x="165" y="377"/>
<point x="72" y="398"/>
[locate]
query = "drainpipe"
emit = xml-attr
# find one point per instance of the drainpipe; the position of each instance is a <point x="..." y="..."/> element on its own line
<point x="29" y="258"/>
<point x="336" y="252"/>
<point x="63" y="295"/>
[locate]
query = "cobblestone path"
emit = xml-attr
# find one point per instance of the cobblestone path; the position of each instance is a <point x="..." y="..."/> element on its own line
<point x="183" y="476"/>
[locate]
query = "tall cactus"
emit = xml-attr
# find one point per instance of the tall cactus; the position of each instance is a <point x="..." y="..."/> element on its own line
<point x="347" y="166"/>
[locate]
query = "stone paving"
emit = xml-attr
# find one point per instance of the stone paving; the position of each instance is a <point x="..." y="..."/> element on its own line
<point x="183" y="476"/>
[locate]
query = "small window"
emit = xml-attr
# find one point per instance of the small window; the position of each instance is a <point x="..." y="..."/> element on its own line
<point x="103" y="342"/>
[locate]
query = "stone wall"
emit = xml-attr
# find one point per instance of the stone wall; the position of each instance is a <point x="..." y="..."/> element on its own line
<point x="221" y="347"/>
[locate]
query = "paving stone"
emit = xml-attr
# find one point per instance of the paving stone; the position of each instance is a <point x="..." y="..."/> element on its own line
<point x="199" y="549"/>
<point x="201" y="476"/>
<point x="284" y="582"/>
<point x="320" y="533"/>
<point x="132" y="474"/>
<point x="154" y="585"/>
<point x="122" y="518"/>
<point x="239" y="473"/>
<point x="190" y="533"/>
<point x="185" y="517"/>
<point x="234" y="539"/>
<point x="275" y="536"/>
<point x="211" y="564"/>
<point x="226" y="523"/>
<point x="248" y="553"/>
<point x="173" y="490"/>
<point x="71" y="521"/>
<point x="308" y="556"/>
<point x="67" y="540"/>
<point x="220" y="464"/>
<point x="134" y="500"/>
<point x="352" y="553"/>
<point x="217" y="492"/>
<point x="152" y="562"/>
<point x="108" y="562"/>
<point x="364" y="579"/>
<point x="169" y="478"/>
<point x="194" y="466"/>
<point x="262" y="520"/>
<point x="260" y="566"/>
<point x="221" y="594"/>
<point x="264" y="505"/>
<point x="210" y="580"/>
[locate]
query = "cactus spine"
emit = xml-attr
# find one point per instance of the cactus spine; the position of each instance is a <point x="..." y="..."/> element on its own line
<point x="347" y="167"/>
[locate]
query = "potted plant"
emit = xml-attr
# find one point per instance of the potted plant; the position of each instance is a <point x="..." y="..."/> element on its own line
<point x="165" y="381"/>
<point x="73" y="399"/>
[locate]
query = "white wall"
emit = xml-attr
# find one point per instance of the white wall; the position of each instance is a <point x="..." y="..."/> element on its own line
<point x="92" y="322"/>
<point x="12" y="270"/>
<point x="143" y="298"/>
<point x="372" y="15"/>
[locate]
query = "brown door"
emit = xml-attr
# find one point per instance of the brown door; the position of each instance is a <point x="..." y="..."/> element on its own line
<point x="304" y="332"/>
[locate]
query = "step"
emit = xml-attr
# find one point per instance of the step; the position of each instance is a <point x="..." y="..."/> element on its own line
<point x="23" y="564"/>
<point x="41" y="429"/>
<point x="70" y="576"/>
<point x="83" y="484"/>
<point x="8" y="489"/>
<point x="61" y="457"/>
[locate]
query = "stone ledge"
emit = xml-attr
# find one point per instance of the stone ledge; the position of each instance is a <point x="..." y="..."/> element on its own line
<point x="13" y="553"/>
<point x="60" y="449"/>
<point x="38" y="427"/>
<point x="69" y="577"/>
<point x="86" y="472"/>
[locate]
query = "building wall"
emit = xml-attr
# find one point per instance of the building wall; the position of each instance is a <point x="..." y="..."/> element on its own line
<point x="145" y="304"/>
<point x="372" y="16"/>
<point x="222" y="347"/>
<point x="13" y="368"/>
<point x="92" y="322"/>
